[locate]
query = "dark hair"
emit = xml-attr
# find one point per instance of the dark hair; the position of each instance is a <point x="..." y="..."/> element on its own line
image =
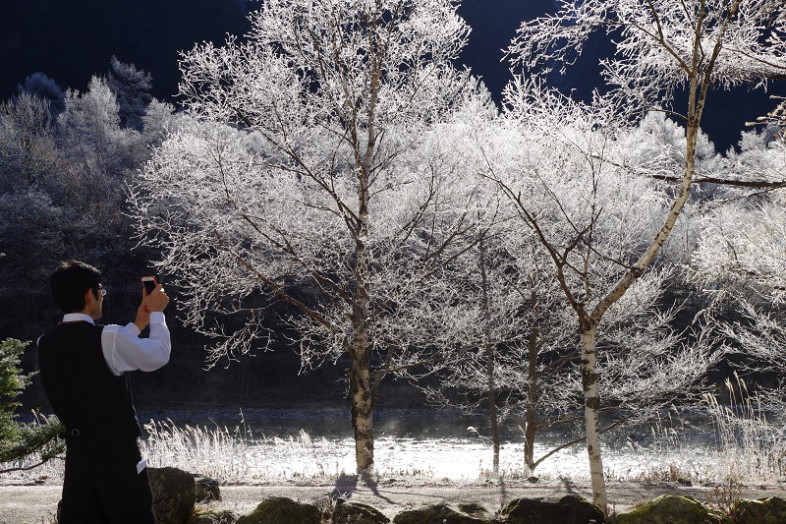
<point x="70" y="281"/>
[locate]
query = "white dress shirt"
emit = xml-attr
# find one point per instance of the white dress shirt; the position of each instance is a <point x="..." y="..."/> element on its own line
<point x="125" y="351"/>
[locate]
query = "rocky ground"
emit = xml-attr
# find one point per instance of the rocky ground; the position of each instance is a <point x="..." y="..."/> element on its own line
<point x="35" y="504"/>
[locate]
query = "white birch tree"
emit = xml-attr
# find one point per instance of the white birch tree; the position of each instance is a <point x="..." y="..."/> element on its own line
<point x="316" y="175"/>
<point x="661" y="46"/>
<point x="520" y="362"/>
<point x="520" y="347"/>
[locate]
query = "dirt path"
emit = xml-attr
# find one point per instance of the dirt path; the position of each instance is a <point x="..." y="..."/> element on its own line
<point x="36" y="504"/>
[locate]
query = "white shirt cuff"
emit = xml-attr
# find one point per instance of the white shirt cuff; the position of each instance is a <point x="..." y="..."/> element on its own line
<point x="157" y="317"/>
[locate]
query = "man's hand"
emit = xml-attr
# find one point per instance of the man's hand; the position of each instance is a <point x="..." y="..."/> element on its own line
<point x="157" y="300"/>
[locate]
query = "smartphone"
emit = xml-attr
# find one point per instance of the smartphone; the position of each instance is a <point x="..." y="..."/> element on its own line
<point x="150" y="283"/>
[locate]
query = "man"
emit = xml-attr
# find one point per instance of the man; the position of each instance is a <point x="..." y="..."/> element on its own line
<point x="84" y="369"/>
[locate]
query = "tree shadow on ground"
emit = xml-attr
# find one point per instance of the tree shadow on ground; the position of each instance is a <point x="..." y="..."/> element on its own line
<point x="569" y="485"/>
<point x="346" y="485"/>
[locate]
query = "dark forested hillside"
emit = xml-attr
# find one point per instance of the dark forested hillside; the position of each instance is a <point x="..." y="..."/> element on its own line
<point x="70" y="40"/>
<point x="73" y="39"/>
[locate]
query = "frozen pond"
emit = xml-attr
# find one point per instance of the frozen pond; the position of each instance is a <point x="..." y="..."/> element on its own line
<point x="268" y="444"/>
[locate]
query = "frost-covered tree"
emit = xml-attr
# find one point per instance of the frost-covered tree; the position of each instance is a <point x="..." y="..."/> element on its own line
<point x="41" y="86"/>
<point x="496" y="366"/>
<point x="100" y="158"/>
<point x="660" y="46"/>
<point x="315" y="175"/>
<point x="646" y="363"/>
<point x="90" y="129"/>
<point x="131" y="87"/>
<point x="762" y="154"/>
<point x="521" y="361"/>
<point x="28" y="152"/>
<point x="30" y="224"/>
<point x="740" y="261"/>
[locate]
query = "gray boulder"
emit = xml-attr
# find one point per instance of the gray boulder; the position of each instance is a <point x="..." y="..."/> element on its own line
<point x="281" y="510"/>
<point x="438" y="514"/>
<point x="211" y="516"/>
<point x="174" y="494"/>
<point x="475" y="510"/>
<point x="570" y="509"/>
<point x="207" y="489"/>
<point x="356" y="513"/>
<point x="671" y="509"/>
<point x="762" y="511"/>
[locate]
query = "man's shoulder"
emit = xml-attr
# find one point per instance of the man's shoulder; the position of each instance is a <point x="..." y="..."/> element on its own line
<point x="109" y="328"/>
<point x="64" y="328"/>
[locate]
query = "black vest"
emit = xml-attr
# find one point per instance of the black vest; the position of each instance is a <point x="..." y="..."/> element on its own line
<point x="95" y="406"/>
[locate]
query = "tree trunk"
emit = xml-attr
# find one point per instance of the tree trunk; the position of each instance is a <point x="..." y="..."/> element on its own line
<point x="360" y="362"/>
<point x="589" y="380"/>
<point x="360" y="384"/>
<point x="492" y="402"/>
<point x="362" y="411"/>
<point x="531" y="428"/>
<point x="489" y="356"/>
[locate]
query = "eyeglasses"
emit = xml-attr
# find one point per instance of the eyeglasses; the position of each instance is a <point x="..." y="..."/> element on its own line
<point x="101" y="290"/>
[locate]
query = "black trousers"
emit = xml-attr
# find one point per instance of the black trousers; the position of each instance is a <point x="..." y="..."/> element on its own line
<point x="103" y="487"/>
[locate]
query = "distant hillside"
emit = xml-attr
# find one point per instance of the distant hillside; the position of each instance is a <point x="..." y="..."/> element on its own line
<point x="70" y="40"/>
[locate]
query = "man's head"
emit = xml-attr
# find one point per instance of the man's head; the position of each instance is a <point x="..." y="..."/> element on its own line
<point x="77" y="286"/>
